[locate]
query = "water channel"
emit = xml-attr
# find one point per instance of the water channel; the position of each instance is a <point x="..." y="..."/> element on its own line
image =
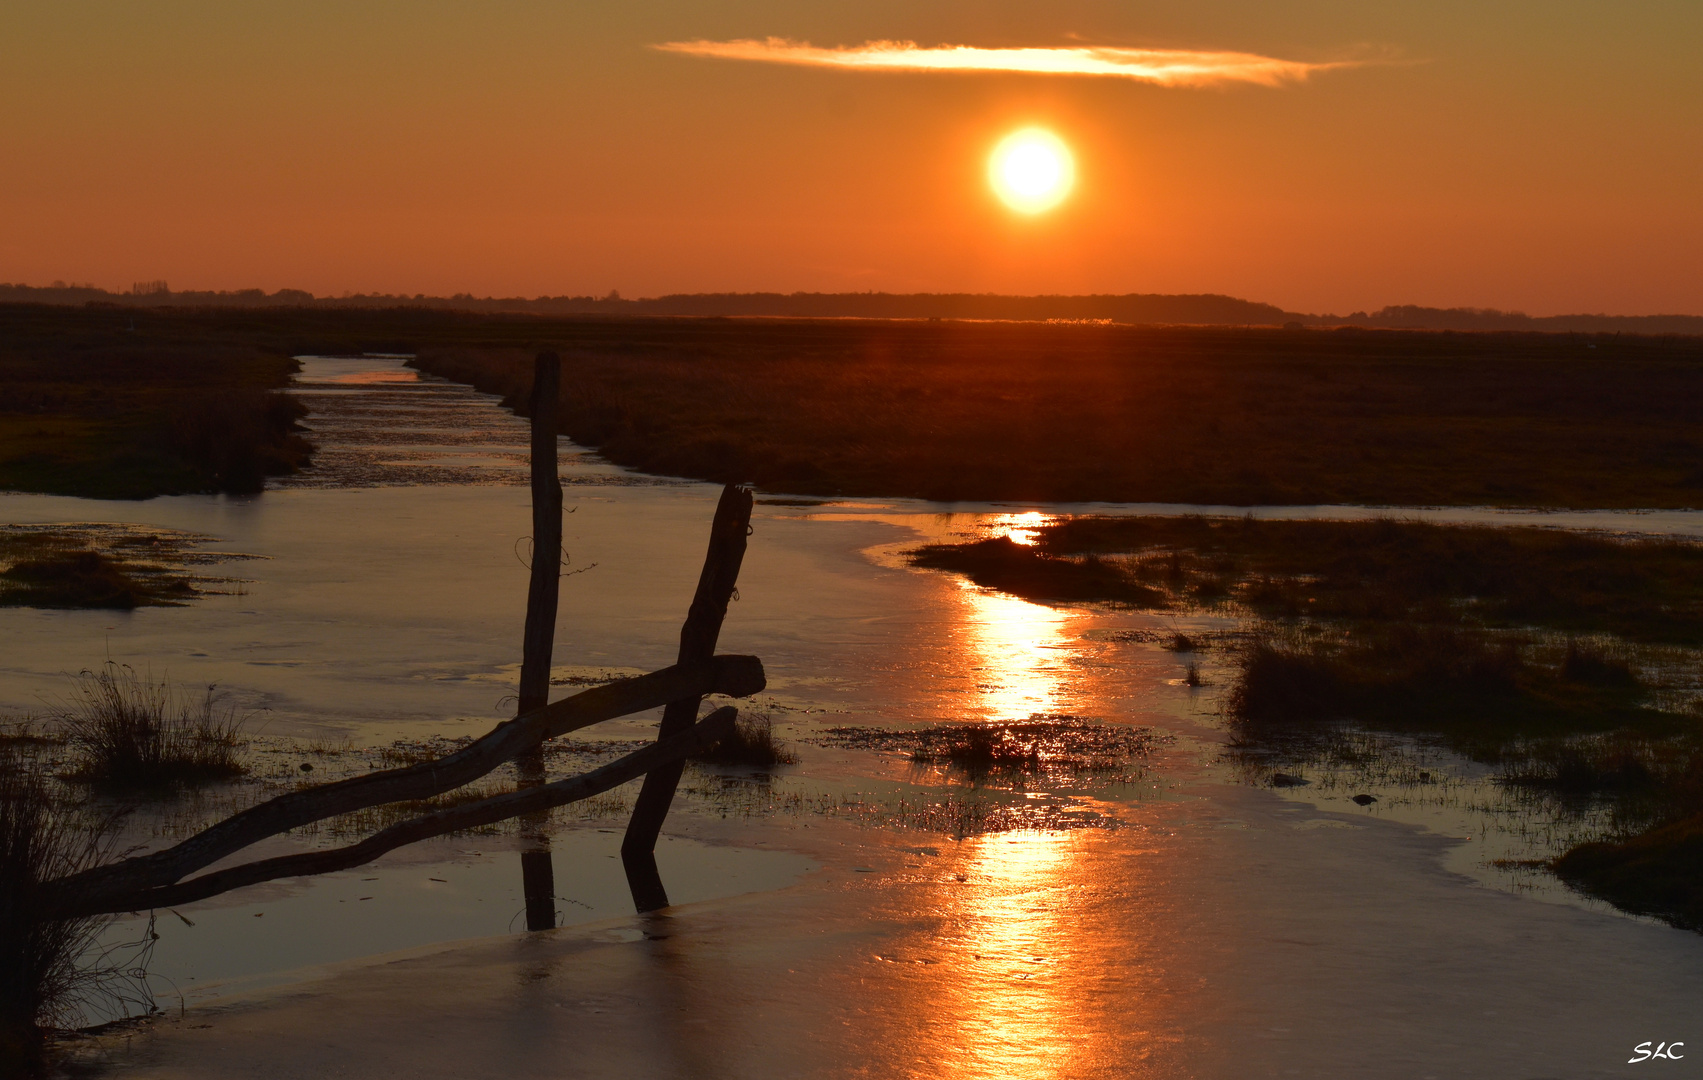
<point x="1115" y="930"/>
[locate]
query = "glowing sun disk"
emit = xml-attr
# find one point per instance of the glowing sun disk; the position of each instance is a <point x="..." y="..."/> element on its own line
<point x="1031" y="170"/>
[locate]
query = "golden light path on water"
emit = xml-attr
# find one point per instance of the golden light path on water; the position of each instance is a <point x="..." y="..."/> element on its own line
<point x="1019" y="651"/>
<point x="1016" y="1011"/>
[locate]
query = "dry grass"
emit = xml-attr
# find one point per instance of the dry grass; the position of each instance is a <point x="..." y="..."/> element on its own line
<point x="958" y="411"/>
<point x="752" y="743"/>
<point x="129" y="732"/>
<point x="1055" y="746"/>
<point x="51" y="974"/>
<point x="1644" y="590"/>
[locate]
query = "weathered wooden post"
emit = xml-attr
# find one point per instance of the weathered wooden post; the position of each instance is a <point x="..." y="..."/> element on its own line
<point x="697" y="642"/>
<point x="538" y="878"/>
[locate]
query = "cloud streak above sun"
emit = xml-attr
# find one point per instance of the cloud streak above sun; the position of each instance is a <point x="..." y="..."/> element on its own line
<point x="1163" y="67"/>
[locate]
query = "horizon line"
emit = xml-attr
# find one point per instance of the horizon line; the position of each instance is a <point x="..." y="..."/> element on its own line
<point x="158" y="290"/>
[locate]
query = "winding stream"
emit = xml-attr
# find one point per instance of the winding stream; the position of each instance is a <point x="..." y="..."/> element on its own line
<point x="384" y="602"/>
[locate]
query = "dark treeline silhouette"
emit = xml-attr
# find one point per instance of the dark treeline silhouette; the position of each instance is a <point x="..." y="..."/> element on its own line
<point x="1202" y="309"/>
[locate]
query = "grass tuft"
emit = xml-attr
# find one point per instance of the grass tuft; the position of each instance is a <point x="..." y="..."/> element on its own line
<point x="751" y="742"/>
<point x="1657" y="873"/>
<point x="130" y="732"/>
<point x="47" y="977"/>
<point x="1596" y="666"/>
<point x="74" y="579"/>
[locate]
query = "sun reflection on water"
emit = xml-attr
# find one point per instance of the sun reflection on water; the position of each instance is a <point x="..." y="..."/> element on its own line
<point x="1018" y="653"/>
<point x="1024" y="528"/>
<point x="1019" y="1012"/>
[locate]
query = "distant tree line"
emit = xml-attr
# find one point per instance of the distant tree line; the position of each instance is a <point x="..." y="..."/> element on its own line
<point x="1201" y="309"/>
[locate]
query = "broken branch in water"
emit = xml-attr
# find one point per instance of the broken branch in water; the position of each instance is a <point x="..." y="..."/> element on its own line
<point x="103" y="887"/>
<point x="699" y="736"/>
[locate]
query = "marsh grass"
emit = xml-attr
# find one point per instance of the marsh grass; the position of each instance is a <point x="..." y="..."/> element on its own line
<point x="1597" y="665"/>
<point x="1658" y="872"/>
<point x="1042" y="746"/>
<point x="1636" y="589"/>
<point x="963" y="411"/>
<point x="52" y="973"/>
<point x="1021" y="570"/>
<point x="1478" y="689"/>
<point x="751" y="743"/>
<point x="84" y="579"/>
<point x="1651" y="861"/>
<point x="93" y="568"/>
<point x="237" y="438"/>
<point x="129" y="732"/>
<point x="1180" y="642"/>
<point x="106" y="405"/>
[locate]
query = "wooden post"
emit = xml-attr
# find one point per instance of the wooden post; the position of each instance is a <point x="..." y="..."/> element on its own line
<point x="697" y="641"/>
<point x="538" y="878"/>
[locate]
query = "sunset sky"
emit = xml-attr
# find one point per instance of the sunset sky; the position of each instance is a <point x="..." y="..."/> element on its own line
<point x="1545" y="155"/>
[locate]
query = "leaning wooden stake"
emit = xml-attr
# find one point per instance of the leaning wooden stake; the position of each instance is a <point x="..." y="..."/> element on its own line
<point x="701" y="736"/>
<point x="697" y="642"/>
<point x="116" y="886"/>
<point x="538" y="875"/>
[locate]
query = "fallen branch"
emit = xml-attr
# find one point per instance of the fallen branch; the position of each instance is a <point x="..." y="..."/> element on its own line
<point x="735" y="676"/>
<point x="700" y="736"/>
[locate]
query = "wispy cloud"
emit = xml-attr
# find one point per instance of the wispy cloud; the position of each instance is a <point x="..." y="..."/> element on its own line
<point x="1165" y="67"/>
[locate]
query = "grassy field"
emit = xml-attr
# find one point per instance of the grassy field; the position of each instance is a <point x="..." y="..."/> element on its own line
<point x="101" y="400"/>
<point x="968" y="411"/>
<point x="89" y="406"/>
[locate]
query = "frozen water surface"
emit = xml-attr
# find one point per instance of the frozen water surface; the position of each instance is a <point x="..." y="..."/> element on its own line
<point x="1201" y="928"/>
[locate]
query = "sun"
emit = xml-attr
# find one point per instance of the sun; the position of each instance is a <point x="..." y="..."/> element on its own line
<point x="1031" y="170"/>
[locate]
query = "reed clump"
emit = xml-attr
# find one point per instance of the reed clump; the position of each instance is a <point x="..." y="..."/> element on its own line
<point x="130" y="732"/>
<point x="1479" y="689"/>
<point x="1056" y="745"/>
<point x="47" y="977"/>
<point x="1653" y="865"/>
<point x="752" y="742"/>
<point x="982" y="748"/>
<point x="84" y="579"/>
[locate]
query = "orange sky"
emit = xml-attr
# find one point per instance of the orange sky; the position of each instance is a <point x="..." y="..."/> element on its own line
<point x="1546" y="156"/>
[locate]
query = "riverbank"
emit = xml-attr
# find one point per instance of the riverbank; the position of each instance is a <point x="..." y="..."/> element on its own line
<point x="115" y="402"/>
<point x="94" y="404"/>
